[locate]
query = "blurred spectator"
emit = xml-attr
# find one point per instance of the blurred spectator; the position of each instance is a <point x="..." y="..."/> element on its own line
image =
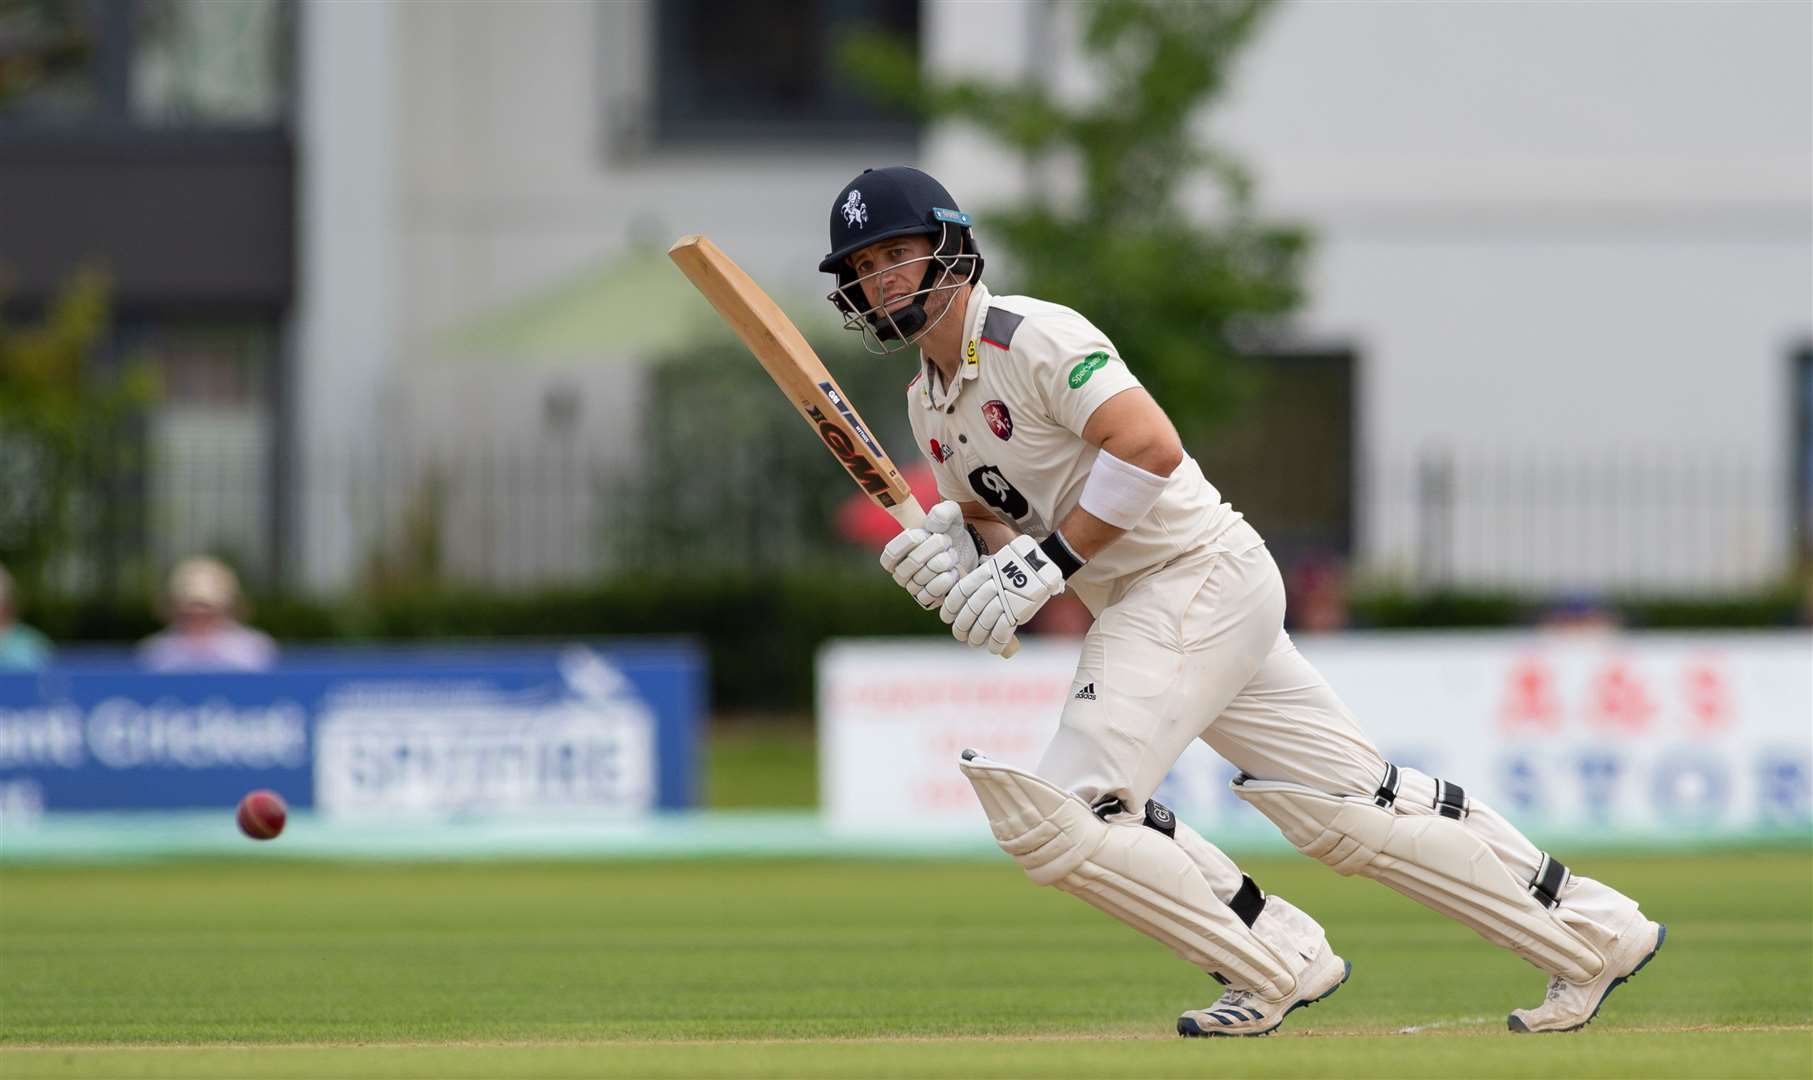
<point x="1317" y="595"/>
<point x="21" y="647"/>
<point x="1581" y="614"/>
<point x="1063" y="616"/>
<point x="204" y="632"/>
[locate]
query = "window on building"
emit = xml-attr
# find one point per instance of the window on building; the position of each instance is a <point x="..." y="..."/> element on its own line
<point x="768" y="70"/>
<point x="49" y="62"/>
<point x="1287" y="461"/>
<point x="144" y="63"/>
<point x="209" y="441"/>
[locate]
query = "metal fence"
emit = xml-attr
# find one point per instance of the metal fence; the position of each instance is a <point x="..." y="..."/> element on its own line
<point x="1676" y="521"/>
<point x="1680" y="523"/>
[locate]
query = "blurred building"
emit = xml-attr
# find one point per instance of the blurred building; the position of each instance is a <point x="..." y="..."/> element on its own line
<point x="154" y="140"/>
<point x="404" y="259"/>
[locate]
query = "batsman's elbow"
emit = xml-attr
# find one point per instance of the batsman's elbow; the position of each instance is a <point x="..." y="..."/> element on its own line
<point x="1162" y="459"/>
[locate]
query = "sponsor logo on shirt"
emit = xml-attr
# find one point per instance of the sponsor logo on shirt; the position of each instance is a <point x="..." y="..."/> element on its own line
<point x="940" y="452"/>
<point x="969" y="353"/>
<point x="995" y="490"/>
<point x="1000" y="421"/>
<point x="1086" y="367"/>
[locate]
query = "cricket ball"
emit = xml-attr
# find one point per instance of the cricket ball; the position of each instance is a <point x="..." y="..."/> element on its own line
<point x="261" y="815"/>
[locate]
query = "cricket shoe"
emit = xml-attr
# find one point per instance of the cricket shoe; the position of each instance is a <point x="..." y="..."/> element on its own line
<point x="1571" y="1006"/>
<point x="1243" y="1012"/>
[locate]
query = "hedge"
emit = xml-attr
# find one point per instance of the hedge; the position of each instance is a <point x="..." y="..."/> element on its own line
<point x="761" y="632"/>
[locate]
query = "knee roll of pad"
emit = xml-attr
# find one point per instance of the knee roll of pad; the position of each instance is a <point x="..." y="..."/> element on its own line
<point x="1417" y="842"/>
<point x="1159" y="817"/>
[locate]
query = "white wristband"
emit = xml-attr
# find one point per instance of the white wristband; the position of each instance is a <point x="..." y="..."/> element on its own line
<point x="1119" y="493"/>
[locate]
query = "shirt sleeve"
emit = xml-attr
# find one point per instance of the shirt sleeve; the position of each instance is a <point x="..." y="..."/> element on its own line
<point x="1074" y="367"/>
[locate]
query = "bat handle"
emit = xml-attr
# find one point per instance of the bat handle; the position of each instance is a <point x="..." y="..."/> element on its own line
<point x="911" y="515"/>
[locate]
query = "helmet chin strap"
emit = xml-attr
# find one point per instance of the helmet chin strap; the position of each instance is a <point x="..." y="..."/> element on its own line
<point x="908" y="321"/>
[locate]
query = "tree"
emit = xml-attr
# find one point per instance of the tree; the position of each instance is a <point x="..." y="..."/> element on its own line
<point x="1171" y="288"/>
<point x="65" y="458"/>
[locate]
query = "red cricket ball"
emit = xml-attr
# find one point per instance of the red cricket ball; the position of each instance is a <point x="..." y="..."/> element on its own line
<point x="261" y="815"/>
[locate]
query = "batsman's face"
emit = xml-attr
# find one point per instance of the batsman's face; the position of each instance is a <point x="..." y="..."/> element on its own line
<point x="890" y="270"/>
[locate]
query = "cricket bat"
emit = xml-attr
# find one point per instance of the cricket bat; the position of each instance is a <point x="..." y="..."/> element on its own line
<point x="801" y="375"/>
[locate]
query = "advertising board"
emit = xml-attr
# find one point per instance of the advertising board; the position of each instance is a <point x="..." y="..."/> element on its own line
<point x="1610" y="736"/>
<point x="362" y="734"/>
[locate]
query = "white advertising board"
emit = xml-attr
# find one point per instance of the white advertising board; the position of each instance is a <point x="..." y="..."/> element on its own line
<point x="1609" y="736"/>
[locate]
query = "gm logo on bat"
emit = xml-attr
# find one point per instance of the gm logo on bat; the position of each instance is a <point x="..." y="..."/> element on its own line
<point x="859" y="466"/>
<point x="849" y="415"/>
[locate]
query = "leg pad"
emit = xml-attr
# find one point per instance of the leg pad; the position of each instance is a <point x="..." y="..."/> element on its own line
<point x="1434" y="858"/>
<point x="1135" y="873"/>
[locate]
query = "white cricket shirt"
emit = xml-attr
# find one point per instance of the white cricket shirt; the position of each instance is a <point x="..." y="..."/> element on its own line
<point x="1008" y="431"/>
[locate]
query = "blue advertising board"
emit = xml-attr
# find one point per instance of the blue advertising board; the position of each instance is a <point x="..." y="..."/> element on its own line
<point x="363" y="734"/>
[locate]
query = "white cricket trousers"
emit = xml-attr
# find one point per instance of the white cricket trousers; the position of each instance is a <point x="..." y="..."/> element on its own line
<point x="1197" y="649"/>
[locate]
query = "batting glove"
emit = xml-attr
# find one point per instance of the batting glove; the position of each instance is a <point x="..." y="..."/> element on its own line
<point x="927" y="561"/>
<point x="1001" y="594"/>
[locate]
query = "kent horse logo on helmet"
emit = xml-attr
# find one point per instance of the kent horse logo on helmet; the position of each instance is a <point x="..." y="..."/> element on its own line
<point x="856" y="215"/>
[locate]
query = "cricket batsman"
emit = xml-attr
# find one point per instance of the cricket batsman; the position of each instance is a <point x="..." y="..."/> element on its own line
<point x="1058" y="471"/>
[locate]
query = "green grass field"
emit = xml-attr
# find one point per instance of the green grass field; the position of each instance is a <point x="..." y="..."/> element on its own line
<point x="816" y="968"/>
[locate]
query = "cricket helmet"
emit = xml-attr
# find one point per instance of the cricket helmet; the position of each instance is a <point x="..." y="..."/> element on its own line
<point x="882" y="204"/>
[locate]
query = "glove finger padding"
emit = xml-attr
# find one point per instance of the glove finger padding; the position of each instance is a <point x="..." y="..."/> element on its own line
<point x="935" y="590"/>
<point x="936" y="565"/>
<point x="1002" y="636"/>
<point x="896" y="550"/>
<point x="981" y="614"/>
<point x="945" y="517"/>
<point x="966" y="586"/>
<point x="906" y="574"/>
<point x="972" y="593"/>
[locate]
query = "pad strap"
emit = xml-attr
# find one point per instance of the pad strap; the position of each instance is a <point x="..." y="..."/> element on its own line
<point x="1249" y="901"/>
<point x="1388" y="787"/>
<point x="1450" y="800"/>
<point x="1550" y="878"/>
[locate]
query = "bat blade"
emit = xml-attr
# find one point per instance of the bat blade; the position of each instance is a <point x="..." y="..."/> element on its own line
<point x="801" y="375"/>
<point x="798" y="371"/>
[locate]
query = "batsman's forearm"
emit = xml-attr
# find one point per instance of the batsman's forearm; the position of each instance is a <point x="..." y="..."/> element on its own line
<point x="1087" y="534"/>
<point x="995" y="535"/>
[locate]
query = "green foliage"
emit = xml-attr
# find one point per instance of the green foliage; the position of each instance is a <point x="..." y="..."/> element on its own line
<point x="1392" y="608"/>
<point x="63" y="450"/>
<point x="732" y="477"/>
<point x="46" y="45"/>
<point x="761" y="630"/>
<point x="1173" y="287"/>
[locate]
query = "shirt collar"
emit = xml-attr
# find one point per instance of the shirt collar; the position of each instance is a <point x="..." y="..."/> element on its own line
<point x="931" y="395"/>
